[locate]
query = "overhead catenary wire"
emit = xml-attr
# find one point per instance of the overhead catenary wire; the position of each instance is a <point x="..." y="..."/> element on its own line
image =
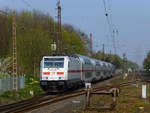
<point x="112" y="30"/>
<point x="111" y="18"/>
<point x="115" y="30"/>
<point x="110" y="13"/>
<point x="28" y="4"/>
<point x="13" y="4"/>
<point x="105" y="6"/>
<point x="107" y="16"/>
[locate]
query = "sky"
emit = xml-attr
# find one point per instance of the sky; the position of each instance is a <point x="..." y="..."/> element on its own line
<point x="130" y="17"/>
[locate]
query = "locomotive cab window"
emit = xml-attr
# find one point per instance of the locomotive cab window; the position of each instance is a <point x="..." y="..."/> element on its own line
<point x="53" y="62"/>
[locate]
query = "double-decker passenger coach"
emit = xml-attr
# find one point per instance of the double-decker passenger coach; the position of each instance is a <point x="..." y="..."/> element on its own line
<point x="63" y="72"/>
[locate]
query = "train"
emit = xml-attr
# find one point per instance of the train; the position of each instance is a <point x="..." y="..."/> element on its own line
<point x="63" y="72"/>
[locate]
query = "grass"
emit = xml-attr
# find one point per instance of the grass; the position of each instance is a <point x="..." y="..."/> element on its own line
<point x="129" y="100"/>
<point x="32" y="84"/>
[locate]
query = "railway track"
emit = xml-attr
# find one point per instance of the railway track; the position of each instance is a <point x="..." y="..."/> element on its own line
<point x="44" y="99"/>
<point x="37" y="102"/>
<point x="7" y="108"/>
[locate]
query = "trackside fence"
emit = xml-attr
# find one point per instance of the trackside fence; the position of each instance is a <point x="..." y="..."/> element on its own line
<point x="7" y="83"/>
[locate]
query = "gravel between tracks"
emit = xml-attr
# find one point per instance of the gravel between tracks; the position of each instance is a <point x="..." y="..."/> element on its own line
<point x="65" y="106"/>
<point x="71" y="105"/>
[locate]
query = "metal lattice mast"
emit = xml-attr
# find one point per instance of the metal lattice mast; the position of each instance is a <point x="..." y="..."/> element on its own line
<point x="124" y="62"/>
<point x="114" y="42"/>
<point x="91" y="46"/>
<point x="14" y="50"/>
<point x="60" y="40"/>
<point x="103" y="52"/>
<point x="59" y="17"/>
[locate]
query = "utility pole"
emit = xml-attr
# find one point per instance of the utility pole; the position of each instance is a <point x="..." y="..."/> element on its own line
<point x="110" y="52"/>
<point x="91" y="46"/>
<point x="103" y="52"/>
<point x="15" y="81"/>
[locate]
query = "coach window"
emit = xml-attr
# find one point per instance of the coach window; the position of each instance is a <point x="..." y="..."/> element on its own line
<point x="100" y="65"/>
<point x="104" y="65"/>
<point x="77" y="60"/>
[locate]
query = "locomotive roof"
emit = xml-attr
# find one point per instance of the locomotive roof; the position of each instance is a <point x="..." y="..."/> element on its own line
<point x="85" y="57"/>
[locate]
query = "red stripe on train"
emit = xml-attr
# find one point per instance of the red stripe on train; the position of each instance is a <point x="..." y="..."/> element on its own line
<point x="60" y="73"/>
<point x="46" y="73"/>
<point x="74" y="71"/>
<point x="77" y="71"/>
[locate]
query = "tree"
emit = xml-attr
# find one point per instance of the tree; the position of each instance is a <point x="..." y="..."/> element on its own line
<point x="34" y="39"/>
<point x="116" y="60"/>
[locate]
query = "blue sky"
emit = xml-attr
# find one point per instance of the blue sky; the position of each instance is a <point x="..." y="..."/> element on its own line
<point x="130" y="17"/>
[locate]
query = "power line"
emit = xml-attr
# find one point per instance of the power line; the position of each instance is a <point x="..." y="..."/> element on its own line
<point x="115" y="30"/>
<point x="110" y="13"/>
<point x="27" y="4"/>
<point x="107" y="16"/>
<point x="105" y="7"/>
<point x="112" y="30"/>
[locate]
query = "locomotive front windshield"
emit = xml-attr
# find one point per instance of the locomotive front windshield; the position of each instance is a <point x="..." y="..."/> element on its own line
<point x="53" y="62"/>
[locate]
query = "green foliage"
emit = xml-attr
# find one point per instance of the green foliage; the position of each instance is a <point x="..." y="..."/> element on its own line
<point x="34" y="39"/>
<point x="132" y="65"/>
<point x="81" y="48"/>
<point x="32" y="84"/>
<point x="5" y="66"/>
<point x="146" y="63"/>
<point x="72" y="43"/>
<point x="116" y="60"/>
<point x="5" y="35"/>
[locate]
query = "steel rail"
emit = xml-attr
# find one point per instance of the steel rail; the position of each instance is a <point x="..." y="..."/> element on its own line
<point x="21" y="103"/>
<point x="47" y="102"/>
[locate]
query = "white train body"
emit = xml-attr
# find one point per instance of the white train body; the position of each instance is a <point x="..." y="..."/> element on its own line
<point x="59" y="72"/>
